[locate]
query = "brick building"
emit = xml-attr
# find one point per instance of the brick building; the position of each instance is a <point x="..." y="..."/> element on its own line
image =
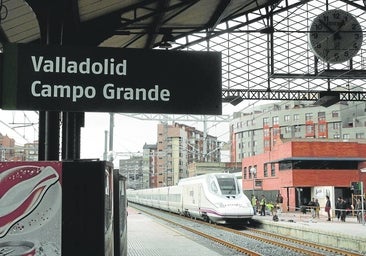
<point x="7" y="148"/>
<point x="304" y="169"/>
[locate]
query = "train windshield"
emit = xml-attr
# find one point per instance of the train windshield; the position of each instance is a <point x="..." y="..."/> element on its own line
<point x="225" y="185"/>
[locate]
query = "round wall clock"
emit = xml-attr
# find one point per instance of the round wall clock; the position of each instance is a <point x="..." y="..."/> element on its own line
<point x="335" y="36"/>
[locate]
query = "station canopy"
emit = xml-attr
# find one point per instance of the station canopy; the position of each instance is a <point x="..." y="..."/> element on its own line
<point x="143" y="24"/>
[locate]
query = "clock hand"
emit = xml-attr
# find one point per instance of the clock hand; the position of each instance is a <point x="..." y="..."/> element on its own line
<point x="326" y="25"/>
<point x="341" y="24"/>
<point x="336" y="35"/>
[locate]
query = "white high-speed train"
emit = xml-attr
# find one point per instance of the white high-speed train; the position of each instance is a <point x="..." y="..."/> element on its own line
<point x="212" y="197"/>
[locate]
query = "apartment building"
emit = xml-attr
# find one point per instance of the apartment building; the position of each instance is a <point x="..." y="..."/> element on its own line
<point x="31" y="151"/>
<point x="7" y="150"/>
<point x="179" y="145"/>
<point x="132" y="169"/>
<point x="149" y="165"/>
<point x="257" y="131"/>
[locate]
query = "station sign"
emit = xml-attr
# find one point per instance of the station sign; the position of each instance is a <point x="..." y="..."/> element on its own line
<point x="85" y="79"/>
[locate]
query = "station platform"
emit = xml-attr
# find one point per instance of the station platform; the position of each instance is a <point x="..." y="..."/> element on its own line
<point x="349" y="227"/>
<point x="348" y="235"/>
<point x="147" y="237"/>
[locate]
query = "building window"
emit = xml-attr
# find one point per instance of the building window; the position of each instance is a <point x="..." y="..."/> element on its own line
<point x="346" y="136"/>
<point x="266" y="143"/>
<point x="310" y="129"/>
<point x="336" y="126"/>
<point x="285" y="165"/>
<point x="266" y="132"/>
<point x="276" y="132"/>
<point x="335" y="113"/>
<point x="336" y="136"/>
<point x="297" y="128"/>
<point x="265" y="170"/>
<point x="245" y="173"/>
<point x="286" y="118"/>
<point x="256" y="171"/>
<point x="322" y="128"/>
<point x="321" y="115"/>
<point x="265" y="121"/>
<point x="273" y="169"/>
<point x="296" y="117"/>
<point x="360" y="135"/>
<point x="288" y="129"/>
<point x="258" y="183"/>
<point x="275" y="120"/>
<point x="308" y="116"/>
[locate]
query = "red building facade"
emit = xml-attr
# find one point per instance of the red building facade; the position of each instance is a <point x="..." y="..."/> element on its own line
<point x="301" y="170"/>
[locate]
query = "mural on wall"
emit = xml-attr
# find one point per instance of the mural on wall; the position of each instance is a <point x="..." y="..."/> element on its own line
<point x="30" y="208"/>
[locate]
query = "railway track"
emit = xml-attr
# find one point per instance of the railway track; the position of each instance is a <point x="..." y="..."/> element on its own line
<point x="242" y="240"/>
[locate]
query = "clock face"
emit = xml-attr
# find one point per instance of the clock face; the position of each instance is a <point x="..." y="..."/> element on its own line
<point x="335" y="36"/>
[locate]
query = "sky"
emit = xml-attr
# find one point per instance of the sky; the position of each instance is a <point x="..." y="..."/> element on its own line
<point x="130" y="134"/>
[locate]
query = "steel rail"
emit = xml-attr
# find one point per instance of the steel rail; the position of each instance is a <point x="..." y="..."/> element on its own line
<point x="292" y="240"/>
<point x="212" y="238"/>
<point x="320" y="247"/>
<point x="307" y="243"/>
<point x="230" y="245"/>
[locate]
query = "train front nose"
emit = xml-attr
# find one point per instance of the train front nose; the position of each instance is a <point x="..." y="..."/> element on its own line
<point x="237" y="210"/>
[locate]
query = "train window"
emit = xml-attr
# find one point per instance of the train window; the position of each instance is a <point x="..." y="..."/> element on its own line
<point x="228" y="186"/>
<point x="214" y="187"/>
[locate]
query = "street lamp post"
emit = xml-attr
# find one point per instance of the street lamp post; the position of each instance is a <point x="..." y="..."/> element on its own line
<point x="253" y="172"/>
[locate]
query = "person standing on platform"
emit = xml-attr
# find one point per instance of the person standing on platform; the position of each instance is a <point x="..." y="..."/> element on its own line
<point x="279" y="201"/>
<point x="312" y="207"/>
<point x="263" y="205"/>
<point x="328" y="207"/>
<point x="258" y="204"/>
<point x="358" y="209"/>
<point x="317" y="208"/>
<point x="338" y="207"/>
<point x="254" y="204"/>
<point x="343" y="207"/>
